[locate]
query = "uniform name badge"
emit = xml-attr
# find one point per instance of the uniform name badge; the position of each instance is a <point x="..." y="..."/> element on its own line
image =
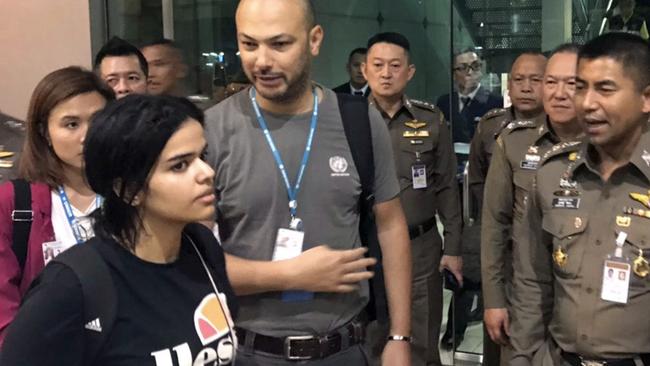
<point x="419" y="176"/>
<point x="53" y="248"/>
<point x="616" y="274"/>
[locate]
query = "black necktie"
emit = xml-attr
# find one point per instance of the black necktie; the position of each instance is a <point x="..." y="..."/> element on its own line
<point x="465" y="101"/>
<point x="358" y="92"/>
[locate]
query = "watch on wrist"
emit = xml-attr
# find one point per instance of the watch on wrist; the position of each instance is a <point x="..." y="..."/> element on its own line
<point x="397" y="337"/>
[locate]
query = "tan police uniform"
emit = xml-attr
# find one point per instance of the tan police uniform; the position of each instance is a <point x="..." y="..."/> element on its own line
<point x="480" y="155"/>
<point x="12" y="134"/>
<point x="480" y="152"/>
<point x="426" y="168"/>
<point x="575" y="220"/>
<point x="516" y="155"/>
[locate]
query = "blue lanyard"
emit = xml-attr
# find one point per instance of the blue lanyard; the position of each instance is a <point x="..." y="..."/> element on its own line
<point x="293" y="193"/>
<point x="72" y="220"/>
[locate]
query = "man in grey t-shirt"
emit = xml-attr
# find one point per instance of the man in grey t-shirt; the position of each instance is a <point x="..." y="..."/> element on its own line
<point x="315" y="291"/>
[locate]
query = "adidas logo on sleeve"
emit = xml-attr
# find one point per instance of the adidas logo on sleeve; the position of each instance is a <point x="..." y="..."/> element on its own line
<point x="94" y="325"/>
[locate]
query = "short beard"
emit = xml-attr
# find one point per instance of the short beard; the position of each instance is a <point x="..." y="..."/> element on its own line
<point x="295" y="89"/>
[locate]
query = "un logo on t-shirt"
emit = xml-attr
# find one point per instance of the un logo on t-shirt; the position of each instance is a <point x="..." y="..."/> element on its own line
<point x="339" y="165"/>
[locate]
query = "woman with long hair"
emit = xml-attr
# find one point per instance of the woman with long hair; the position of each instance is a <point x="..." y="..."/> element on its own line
<point x="168" y="285"/>
<point x="53" y="187"/>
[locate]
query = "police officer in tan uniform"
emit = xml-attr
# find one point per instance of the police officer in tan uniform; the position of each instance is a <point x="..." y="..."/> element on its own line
<point x="586" y="268"/>
<point x="516" y="156"/>
<point x="426" y="166"/>
<point x="12" y="134"/>
<point x="525" y="90"/>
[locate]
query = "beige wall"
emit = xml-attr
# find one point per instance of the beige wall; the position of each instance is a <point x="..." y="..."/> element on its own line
<point x="37" y="37"/>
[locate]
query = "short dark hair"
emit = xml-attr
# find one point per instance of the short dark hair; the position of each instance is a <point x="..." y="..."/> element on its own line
<point x="630" y="50"/>
<point x="395" y="38"/>
<point x="117" y="47"/>
<point x="529" y="54"/>
<point x="122" y="147"/>
<point x="359" y="50"/>
<point x="160" y="42"/>
<point x="38" y="161"/>
<point x="164" y="42"/>
<point x="569" y="47"/>
<point x="310" y="14"/>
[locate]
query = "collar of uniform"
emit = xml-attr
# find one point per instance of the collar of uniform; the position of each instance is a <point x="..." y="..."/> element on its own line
<point x="641" y="155"/>
<point x="511" y="113"/>
<point x="544" y="129"/>
<point x="406" y="104"/>
<point x="582" y="158"/>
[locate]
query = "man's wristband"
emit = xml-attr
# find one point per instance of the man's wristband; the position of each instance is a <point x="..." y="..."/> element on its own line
<point x="397" y="337"/>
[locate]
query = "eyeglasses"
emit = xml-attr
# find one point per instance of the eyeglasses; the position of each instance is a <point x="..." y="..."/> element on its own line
<point x="474" y="66"/>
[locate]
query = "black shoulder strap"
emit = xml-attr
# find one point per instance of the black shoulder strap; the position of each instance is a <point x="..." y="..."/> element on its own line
<point x="356" y="123"/>
<point x="22" y="217"/>
<point x="100" y="296"/>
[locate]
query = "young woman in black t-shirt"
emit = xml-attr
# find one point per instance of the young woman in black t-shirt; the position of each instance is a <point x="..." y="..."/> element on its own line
<point x="144" y="155"/>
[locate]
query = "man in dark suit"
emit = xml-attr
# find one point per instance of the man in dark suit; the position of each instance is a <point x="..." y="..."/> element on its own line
<point x="12" y="134"/>
<point x="470" y="101"/>
<point x="357" y="84"/>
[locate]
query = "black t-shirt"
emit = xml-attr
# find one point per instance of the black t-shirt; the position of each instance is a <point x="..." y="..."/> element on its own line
<point x="167" y="314"/>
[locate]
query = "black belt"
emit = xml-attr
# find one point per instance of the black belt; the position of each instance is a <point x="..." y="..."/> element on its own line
<point x="417" y="230"/>
<point x="577" y="360"/>
<point x="309" y="347"/>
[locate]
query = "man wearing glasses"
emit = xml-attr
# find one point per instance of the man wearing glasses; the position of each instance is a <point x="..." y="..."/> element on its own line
<point x="470" y="101"/>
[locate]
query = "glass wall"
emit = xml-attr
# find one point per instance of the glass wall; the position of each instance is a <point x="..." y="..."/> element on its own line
<point x="497" y="30"/>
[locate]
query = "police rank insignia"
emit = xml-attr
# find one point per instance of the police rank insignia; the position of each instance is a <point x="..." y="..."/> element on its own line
<point x="415" y="124"/>
<point x="573" y="156"/>
<point x="637" y="212"/>
<point x="410" y="134"/>
<point x="623" y="221"/>
<point x="560" y="257"/>
<point x="640" y="265"/>
<point x="566" y="183"/>
<point x="5" y="154"/>
<point x="567" y="193"/>
<point x="640" y="197"/>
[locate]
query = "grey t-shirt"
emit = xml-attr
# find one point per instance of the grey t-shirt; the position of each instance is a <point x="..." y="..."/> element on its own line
<point x="253" y="201"/>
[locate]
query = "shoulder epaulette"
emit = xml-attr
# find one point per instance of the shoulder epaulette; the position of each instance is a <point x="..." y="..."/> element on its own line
<point x="562" y="148"/>
<point x="496" y="112"/>
<point x="515" y="125"/>
<point x="501" y="127"/>
<point x="423" y="105"/>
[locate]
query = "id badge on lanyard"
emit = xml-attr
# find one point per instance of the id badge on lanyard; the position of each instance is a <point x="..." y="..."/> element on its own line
<point x="616" y="274"/>
<point x="289" y="241"/>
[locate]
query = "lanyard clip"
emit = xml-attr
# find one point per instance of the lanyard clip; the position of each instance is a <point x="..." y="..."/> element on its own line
<point x="296" y="224"/>
<point x="620" y="241"/>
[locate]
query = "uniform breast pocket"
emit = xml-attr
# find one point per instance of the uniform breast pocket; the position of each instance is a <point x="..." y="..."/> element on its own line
<point x="414" y="151"/>
<point x="568" y="251"/>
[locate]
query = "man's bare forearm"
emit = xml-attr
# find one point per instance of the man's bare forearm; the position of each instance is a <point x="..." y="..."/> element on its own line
<point x="249" y="277"/>
<point x="396" y="255"/>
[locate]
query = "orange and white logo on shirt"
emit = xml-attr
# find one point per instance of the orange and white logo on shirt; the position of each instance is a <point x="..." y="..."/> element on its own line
<point x="212" y="318"/>
<point x="213" y="323"/>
